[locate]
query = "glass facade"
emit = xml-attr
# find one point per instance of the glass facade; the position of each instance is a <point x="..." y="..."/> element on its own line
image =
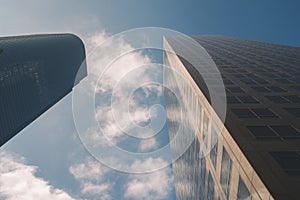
<point x="213" y="166"/>
<point x="35" y="72"/>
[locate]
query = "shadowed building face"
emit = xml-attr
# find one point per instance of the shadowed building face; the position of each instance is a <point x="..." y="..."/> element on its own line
<point x="257" y="154"/>
<point x="36" y="71"/>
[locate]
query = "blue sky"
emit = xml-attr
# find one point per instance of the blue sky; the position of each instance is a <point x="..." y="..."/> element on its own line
<point x="272" y="21"/>
<point x="49" y="152"/>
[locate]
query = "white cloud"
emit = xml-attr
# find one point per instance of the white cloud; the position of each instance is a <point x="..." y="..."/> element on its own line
<point x="103" y="52"/>
<point x="89" y="170"/>
<point x="147" y="144"/>
<point x="90" y="188"/>
<point x="18" y="181"/>
<point x="91" y="174"/>
<point x="155" y="185"/>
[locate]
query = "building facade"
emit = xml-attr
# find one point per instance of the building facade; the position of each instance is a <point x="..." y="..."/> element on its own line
<point x="35" y="72"/>
<point x="257" y="154"/>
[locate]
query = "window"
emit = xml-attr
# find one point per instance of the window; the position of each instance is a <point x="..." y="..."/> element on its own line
<point x="240" y="75"/>
<point x="268" y="89"/>
<point x="210" y="188"/>
<point x="225" y="172"/>
<point x="247" y="99"/>
<point x="214" y="147"/>
<point x="205" y="128"/>
<point x="261" y="132"/>
<point x="261" y="81"/>
<point x="254" y="113"/>
<point x="241" y="99"/>
<point x="261" y="89"/>
<point x="199" y="111"/>
<point x="203" y="170"/>
<point x="243" y="113"/>
<point x="286" y="131"/>
<point x="293" y="98"/>
<point x="276" y="89"/>
<point x="289" y="161"/>
<point x="264" y="113"/>
<point x="248" y="81"/>
<point x="243" y="192"/>
<point x="228" y="82"/>
<point x="274" y="132"/>
<point x="235" y="90"/>
<point x="233" y="100"/>
<point x="277" y="99"/>
<point x="296" y="88"/>
<point x="294" y="111"/>
<point x="284" y="81"/>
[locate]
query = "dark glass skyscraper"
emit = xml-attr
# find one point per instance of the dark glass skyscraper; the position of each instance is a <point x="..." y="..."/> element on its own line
<point x="36" y="71"/>
<point x="257" y="154"/>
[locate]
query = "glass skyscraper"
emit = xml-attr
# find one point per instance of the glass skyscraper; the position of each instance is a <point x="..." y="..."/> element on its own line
<point x="257" y="153"/>
<point x="36" y="71"/>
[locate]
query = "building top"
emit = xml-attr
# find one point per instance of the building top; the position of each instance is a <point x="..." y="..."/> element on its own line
<point x="36" y="71"/>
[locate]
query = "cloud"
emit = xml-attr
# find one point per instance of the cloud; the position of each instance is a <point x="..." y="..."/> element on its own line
<point x="155" y="185"/>
<point x="113" y="77"/>
<point x="18" y="181"/>
<point x="89" y="170"/>
<point x="90" y="174"/>
<point x="148" y="144"/>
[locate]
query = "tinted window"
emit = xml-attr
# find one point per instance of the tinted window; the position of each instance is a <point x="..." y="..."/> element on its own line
<point x="243" y="113"/>
<point x="243" y="191"/>
<point x="261" y="89"/>
<point x="205" y="128"/>
<point x="289" y="161"/>
<point x="285" y="131"/>
<point x="226" y="172"/>
<point x="247" y="99"/>
<point x="276" y="89"/>
<point x="203" y="170"/>
<point x="293" y="98"/>
<point x="214" y="147"/>
<point x="277" y="99"/>
<point x="294" y="111"/>
<point x="210" y="188"/>
<point x="261" y="132"/>
<point x="264" y="113"/>
<point x="232" y="99"/>
<point x="235" y="90"/>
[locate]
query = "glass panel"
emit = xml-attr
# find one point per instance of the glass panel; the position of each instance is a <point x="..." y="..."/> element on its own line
<point x="210" y="188"/>
<point x="226" y="172"/>
<point x="243" y="191"/>
<point x="205" y="128"/>
<point x="264" y="113"/>
<point x="235" y="90"/>
<point x="286" y="131"/>
<point x="232" y="99"/>
<point x="203" y="171"/>
<point x="277" y="99"/>
<point x="214" y="147"/>
<point x="243" y="113"/>
<point x="289" y="161"/>
<point x="247" y="99"/>
<point x="262" y="132"/>
<point x="294" y="111"/>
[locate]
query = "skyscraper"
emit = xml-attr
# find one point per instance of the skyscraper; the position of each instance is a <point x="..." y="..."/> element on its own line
<point x="36" y="71"/>
<point x="257" y="153"/>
